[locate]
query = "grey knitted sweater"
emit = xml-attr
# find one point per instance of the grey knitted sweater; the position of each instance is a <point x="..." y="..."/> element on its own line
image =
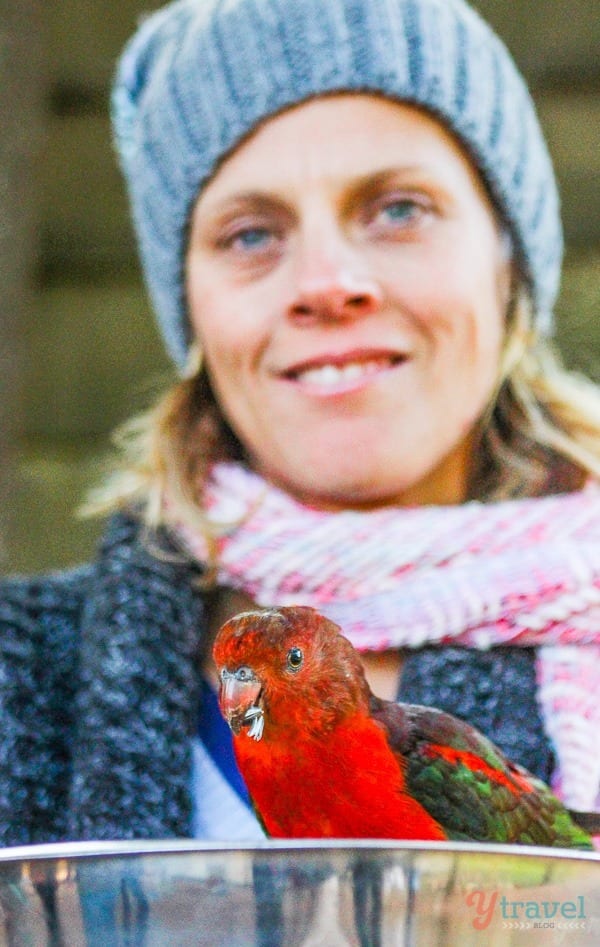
<point x="99" y="696"/>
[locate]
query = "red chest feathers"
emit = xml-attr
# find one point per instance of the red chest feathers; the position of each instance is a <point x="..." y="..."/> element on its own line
<point x="345" y="785"/>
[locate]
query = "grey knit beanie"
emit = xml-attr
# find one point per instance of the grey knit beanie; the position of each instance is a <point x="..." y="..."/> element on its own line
<point x="200" y="74"/>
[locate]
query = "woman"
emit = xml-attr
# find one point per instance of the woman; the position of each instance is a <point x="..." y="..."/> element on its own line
<point x="349" y="227"/>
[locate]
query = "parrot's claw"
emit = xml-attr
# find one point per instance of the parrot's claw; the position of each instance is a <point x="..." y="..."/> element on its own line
<point x="256" y="716"/>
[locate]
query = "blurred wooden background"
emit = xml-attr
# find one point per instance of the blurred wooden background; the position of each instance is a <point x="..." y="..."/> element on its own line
<point x="78" y="348"/>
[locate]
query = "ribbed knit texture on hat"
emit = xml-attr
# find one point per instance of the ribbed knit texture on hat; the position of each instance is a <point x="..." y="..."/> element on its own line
<point x="200" y="74"/>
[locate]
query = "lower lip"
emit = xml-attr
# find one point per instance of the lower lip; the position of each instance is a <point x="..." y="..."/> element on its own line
<point x="346" y="385"/>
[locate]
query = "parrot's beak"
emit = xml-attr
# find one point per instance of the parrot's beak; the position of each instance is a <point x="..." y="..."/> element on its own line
<point x="238" y="696"/>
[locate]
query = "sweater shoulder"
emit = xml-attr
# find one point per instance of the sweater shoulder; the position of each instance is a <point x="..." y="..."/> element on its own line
<point x="34" y="594"/>
<point x="39" y="632"/>
<point x="89" y="651"/>
<point x="124" y="556"/>
<point x="40" y="610"/>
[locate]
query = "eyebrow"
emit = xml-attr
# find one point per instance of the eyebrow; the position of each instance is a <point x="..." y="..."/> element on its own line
<point x="246" y="202"/>
<point x="370" y="185"/>
<point x="367" y="185"/>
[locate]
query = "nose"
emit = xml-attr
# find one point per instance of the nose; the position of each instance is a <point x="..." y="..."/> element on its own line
<point x="332" y="282"/>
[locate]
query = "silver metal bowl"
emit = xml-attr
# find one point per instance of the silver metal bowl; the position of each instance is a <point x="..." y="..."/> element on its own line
<point x="317" y="894"/>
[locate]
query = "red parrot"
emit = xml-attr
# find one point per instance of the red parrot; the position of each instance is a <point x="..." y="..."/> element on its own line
<point x="323" y="757"/>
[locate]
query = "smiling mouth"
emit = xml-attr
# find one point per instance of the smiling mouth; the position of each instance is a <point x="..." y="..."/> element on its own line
<point x="332" y="375"/>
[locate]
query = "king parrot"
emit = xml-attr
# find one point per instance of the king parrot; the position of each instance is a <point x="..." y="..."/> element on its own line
<point x="323" y="757"/>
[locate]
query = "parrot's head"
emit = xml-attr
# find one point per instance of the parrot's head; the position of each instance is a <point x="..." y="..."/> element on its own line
<point x="286" y="668"/>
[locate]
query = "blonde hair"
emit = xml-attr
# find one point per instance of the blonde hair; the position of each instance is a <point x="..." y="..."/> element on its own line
<point x="539" y="435"/>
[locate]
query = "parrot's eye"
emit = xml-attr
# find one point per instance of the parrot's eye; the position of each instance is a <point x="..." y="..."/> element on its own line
<point x="295" y="659"/>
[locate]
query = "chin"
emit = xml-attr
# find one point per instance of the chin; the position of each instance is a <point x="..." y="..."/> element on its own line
<point x="343" y="492"/>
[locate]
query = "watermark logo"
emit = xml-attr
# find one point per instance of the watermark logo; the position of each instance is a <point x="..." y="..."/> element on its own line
<point x="525" y="915"/>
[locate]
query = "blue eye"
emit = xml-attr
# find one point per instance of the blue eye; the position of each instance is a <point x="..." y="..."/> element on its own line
<point x="400" y="211"/>
<point x="254" y="238"/>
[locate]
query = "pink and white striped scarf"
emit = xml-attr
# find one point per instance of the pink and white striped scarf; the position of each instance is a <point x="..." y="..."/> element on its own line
<point x="519" y="572"/>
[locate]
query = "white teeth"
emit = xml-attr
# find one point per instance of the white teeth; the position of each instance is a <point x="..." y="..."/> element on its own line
<point x="327" y="376"/>
<point x="354" y="370"/>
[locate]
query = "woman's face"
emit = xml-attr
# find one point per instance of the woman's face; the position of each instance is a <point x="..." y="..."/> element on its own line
<point x="348" y="283"/>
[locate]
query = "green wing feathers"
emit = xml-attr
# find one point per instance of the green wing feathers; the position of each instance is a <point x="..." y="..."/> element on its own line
<point x="469" y="786"/>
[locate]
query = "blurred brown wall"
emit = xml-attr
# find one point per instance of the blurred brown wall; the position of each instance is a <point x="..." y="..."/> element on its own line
<point x="90" y="349"/>
<point x="21" y="96"/>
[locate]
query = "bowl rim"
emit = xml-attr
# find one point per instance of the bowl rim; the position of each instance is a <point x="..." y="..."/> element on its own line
<point x="118" y="848"/>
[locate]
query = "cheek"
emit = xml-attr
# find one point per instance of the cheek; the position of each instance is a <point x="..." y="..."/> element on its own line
<point x="471" y="298"/>
<point x="217" y="327"/>
<point x="203" y="299"/>
<point x="227" y="359"/>
<point x="466" y="328"/>
<point x="230" y="323"/>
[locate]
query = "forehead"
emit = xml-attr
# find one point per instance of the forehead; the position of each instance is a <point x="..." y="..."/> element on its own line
<point x="253" y="632"/>
<point x="338" y="138"/>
